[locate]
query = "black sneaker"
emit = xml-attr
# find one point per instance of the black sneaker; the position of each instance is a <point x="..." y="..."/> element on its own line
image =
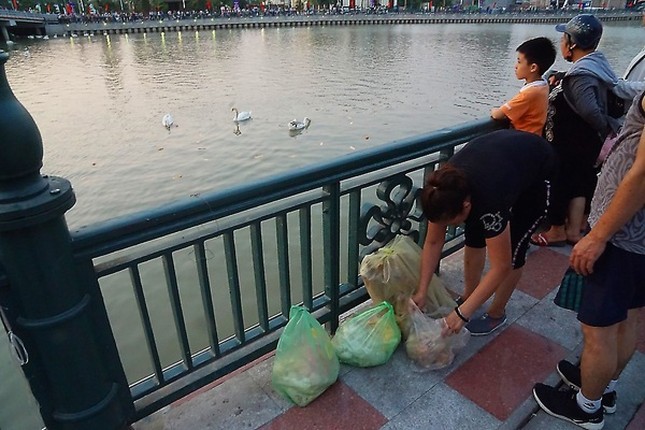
<point x="570" y="375"/>
<point x="563" y="405"/>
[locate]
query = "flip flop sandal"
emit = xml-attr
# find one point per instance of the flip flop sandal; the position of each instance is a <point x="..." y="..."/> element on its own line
<point x="541" y="240"/>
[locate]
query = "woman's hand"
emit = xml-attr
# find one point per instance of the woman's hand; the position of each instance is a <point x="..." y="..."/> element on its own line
<point x="419" y="299"/>
<point x="453" y="324"/>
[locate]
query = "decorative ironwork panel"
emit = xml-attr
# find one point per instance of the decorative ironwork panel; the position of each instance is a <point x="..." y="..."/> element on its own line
<point x="400" y="214"/>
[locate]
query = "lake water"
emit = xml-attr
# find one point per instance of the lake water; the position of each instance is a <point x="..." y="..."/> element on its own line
<point x="98" y="102"/>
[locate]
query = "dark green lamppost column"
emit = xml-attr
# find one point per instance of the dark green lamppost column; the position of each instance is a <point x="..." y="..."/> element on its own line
<point x="51" y="303"/>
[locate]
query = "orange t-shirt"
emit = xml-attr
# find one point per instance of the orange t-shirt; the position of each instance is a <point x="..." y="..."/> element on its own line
<point x="527" y="110"/>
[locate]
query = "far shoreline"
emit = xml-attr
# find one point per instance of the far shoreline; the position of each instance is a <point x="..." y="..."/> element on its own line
<point x="213" y="24"/>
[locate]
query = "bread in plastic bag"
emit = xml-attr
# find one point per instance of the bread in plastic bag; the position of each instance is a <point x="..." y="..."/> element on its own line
<point x="369" y="337"/>
<point x="426" y="346"/>
<point x="305" y="363"/>
<point x="391" y="273"/>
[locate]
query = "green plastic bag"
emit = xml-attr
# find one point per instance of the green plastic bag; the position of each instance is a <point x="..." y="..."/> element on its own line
<point x="305" y="363"/>
<point x="368" y="338"/>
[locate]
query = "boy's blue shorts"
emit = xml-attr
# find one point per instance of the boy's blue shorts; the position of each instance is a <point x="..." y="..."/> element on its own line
<point x="616" y="285"/>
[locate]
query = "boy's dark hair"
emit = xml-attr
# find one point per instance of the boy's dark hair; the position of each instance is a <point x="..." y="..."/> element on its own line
<point x="443" y="196"/>
<point x="538" y="51"/>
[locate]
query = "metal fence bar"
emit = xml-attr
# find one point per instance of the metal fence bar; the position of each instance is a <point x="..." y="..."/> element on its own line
<point x="331" y="240"/>
<point x="207" y="298"/>
<point x="259" y="273"/>
<point x="305" y="257"/>
<point x="151" y="343"/>
<point x="177" y="311"/>
<point x="352" y="237"/>
<point x="234" y="286"/>
<point x="283" y="262"/>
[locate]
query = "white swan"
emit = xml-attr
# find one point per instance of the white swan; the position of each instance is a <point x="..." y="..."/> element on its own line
<point x="240" y="116"/>
<point x="167" y="121"/>
<point x="294" y="124"/>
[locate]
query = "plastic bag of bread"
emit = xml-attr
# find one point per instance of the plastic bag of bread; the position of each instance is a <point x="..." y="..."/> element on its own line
<point x="426" y="346"/>
<point x="368" y="338"/>
<point x="305" y="363"/>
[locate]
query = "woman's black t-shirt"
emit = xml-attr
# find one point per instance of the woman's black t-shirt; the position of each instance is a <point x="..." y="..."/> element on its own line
<point x="501" y="167"/>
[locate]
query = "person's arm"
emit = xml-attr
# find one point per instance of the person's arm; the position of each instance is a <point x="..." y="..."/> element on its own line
<point x="500" y="258"/>
<point x="582" y="93"/>
<point x="432" y="246"/>
<point x="627" y="90"/>
<point x="514" y="109"/>
<point x="498" y="114"/>
<point x="628" y="199"/>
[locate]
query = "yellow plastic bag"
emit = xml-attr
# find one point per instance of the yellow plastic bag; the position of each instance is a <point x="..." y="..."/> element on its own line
<point x="426" y="346"/>
<point x="391" y="273"/>
<point x="368" y="338"/>
<point x="305" y="363"/>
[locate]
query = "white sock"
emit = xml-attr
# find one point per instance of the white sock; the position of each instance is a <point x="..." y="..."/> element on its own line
<point x="611" y="386"/>
<point x="589" y="406"/>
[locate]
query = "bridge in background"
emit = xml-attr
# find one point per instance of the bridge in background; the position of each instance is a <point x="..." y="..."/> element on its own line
<point x="23" y="23"/>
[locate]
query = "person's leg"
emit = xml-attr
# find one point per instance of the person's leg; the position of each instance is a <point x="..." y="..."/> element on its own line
<point x="575" y="218"/>
<point x="503" y="294"/>
<point x="557" y="209"/>
<point x="474" y="260"/>
<point x="609" y="316"/>
<point x="599" y="359"/>
<point x="626" y="341"/>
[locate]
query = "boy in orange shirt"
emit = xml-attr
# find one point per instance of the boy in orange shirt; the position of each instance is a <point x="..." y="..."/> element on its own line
<point x="527" y="110"/>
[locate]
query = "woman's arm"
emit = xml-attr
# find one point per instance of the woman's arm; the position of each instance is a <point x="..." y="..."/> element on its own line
<point x="435" y="239"/>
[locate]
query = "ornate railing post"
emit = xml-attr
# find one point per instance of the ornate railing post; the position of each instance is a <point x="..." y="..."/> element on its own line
<point x="50" y="302"/>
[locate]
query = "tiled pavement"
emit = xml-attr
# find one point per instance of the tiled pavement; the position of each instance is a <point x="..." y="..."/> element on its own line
<point x="487" y="387"/>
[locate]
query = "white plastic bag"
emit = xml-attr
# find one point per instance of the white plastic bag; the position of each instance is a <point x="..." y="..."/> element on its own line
<point x="426" y="346"/>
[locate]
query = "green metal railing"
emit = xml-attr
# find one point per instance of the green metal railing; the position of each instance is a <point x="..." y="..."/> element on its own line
<point x="331" y="214"/>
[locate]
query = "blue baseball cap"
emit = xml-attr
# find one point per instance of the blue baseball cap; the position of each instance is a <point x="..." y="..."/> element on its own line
<point x="585" y="30"/>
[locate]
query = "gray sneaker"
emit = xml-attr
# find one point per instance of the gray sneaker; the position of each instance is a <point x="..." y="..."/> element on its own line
<point x="485" y="325"/>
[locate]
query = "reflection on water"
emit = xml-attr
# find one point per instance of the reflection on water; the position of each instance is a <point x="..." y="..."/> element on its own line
<point x="98" y="102"/>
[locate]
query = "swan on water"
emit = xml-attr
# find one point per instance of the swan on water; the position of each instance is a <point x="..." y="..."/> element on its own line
<point x="294" y="124"/>
<point x="167" y="121"/>
<point x="240" y="116"/>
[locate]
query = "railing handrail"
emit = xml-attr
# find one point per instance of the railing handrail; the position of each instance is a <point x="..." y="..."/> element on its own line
<point x="121" y="232"/>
